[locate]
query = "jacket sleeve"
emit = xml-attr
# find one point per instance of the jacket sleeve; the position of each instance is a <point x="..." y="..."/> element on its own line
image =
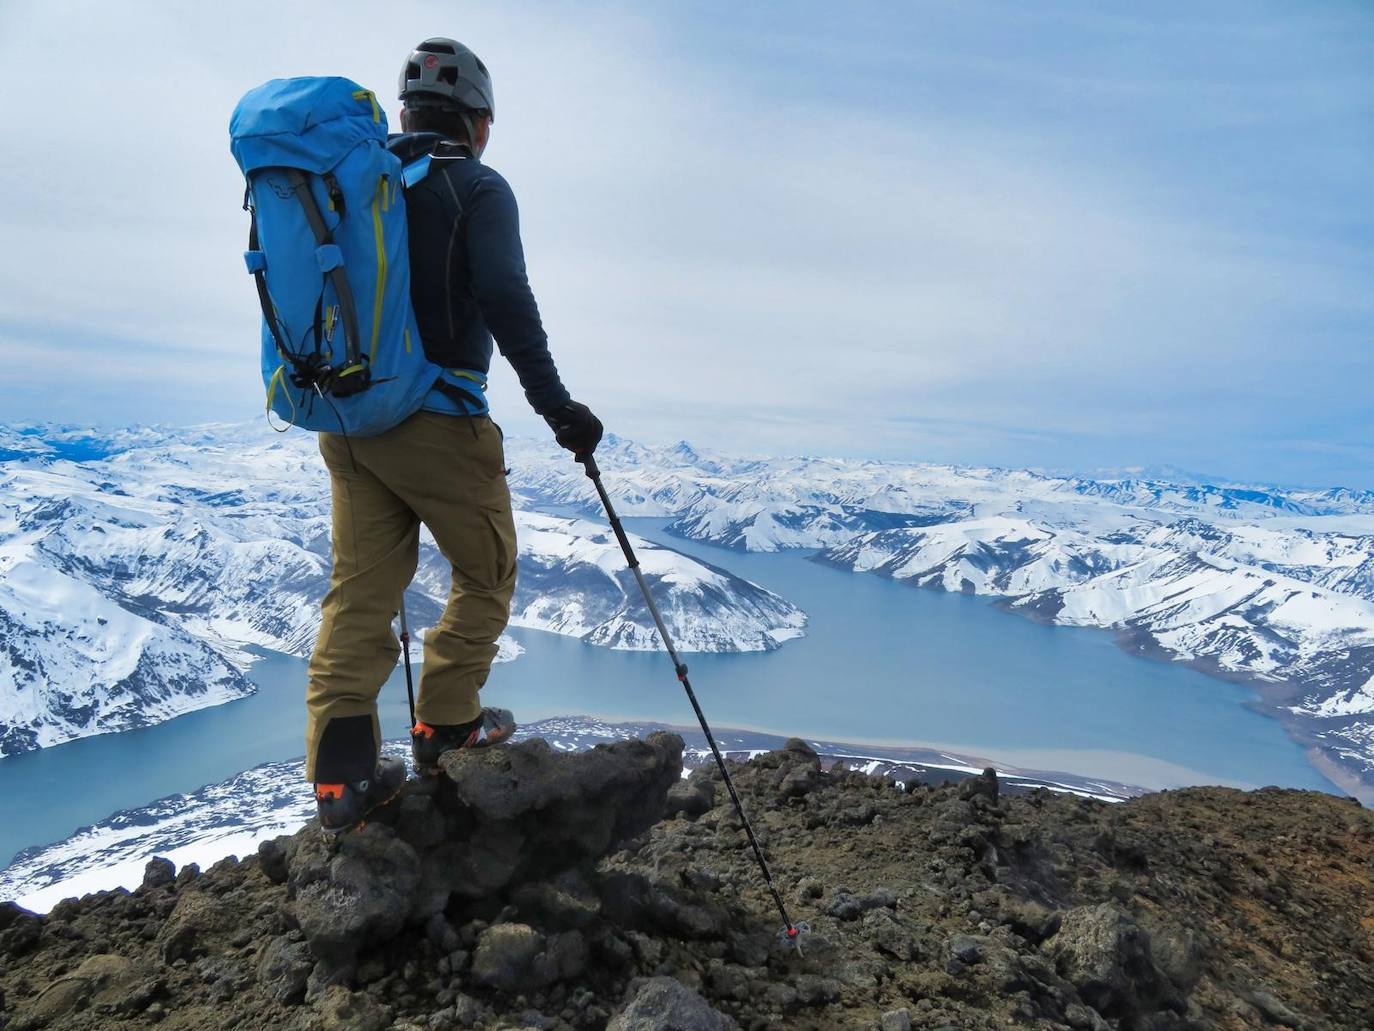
<point x="502" y="291"/>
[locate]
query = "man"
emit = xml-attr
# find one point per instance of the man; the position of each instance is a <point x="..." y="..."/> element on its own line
<point x="444" y="467"/>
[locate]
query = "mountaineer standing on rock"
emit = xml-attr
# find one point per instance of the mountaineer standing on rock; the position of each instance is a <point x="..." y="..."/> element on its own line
<point x="443" y="467"/>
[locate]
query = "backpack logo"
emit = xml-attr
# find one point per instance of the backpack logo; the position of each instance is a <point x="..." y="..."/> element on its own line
<point x="283" y="188"/>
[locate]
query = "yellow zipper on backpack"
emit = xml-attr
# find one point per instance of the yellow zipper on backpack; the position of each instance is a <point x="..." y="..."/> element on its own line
<point x="379" y="236"/>
<point x="370" y="97"/>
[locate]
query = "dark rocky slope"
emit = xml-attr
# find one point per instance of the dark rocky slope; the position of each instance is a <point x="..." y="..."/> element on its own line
<point x="527" y="888"/>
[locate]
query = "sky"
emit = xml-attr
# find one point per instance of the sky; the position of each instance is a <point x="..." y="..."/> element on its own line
<point x="1076" y="236"/>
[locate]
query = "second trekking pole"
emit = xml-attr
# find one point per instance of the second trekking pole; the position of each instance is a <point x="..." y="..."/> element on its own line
<point x="410" y="683"/>
<point x="791" y="932"/>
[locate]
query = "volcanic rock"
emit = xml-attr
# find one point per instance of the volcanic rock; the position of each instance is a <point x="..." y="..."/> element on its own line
<point x="663" y="1004"/>
<point x="525" y="888"/>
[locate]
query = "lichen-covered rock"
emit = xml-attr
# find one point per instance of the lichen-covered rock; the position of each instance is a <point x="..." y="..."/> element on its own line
<point x="197" y="916"/>
<point x="100" y="982"/>
<point x="284" y="969"/>
<point x="1106" y="955"/>
<point x="1179" y="952"/>
<point x="359" y="895"/>
<point x="566" y="901"/>
<point x="342" y="1010"/>
<point x="663" y="1004"/>
<point x="693" y="796"/>
<point x="505" y="958"/>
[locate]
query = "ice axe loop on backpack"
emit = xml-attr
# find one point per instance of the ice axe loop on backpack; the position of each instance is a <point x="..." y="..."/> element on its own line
<point x="792" y="932"/>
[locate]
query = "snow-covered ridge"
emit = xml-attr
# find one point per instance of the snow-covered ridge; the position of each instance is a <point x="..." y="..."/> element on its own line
<point x="133" y="580"/>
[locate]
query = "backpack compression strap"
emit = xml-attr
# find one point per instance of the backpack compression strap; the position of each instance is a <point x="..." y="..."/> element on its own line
<point x="331" y="264"/>
<point x="309" y="370"/>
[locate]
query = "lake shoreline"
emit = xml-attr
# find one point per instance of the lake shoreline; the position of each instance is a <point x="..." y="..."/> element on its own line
<point x="879" y="664"/>
<point x="215" y="820"/>
<point x="1271" y="697"/>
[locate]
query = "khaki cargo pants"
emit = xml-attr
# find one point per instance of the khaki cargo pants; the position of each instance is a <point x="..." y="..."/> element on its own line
<point x="447" y="472"/>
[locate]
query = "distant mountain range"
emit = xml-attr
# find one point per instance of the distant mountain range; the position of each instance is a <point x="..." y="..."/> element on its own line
<point x="231" y="817"/>
<point x="135" y="568"/>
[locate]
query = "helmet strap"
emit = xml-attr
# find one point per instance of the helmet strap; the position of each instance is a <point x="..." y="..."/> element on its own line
<point x="471" y="127"/>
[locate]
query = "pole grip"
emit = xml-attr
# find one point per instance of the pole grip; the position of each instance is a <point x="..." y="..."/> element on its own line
<point x="588" y="461"/>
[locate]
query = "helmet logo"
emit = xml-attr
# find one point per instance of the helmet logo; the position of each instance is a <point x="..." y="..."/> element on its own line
<point x="431" y="61"/>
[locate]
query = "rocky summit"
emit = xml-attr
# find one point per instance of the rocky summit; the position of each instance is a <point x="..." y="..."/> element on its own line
<point x="526" y="887"/>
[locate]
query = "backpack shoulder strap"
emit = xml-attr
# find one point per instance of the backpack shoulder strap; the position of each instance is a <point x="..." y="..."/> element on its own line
<point x="412" y="173"/>
<point x="257" y="264"/>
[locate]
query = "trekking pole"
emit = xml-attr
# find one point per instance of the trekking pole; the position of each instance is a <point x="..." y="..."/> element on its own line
<point x="405" y="645"/>
<point x="791" y="932"/>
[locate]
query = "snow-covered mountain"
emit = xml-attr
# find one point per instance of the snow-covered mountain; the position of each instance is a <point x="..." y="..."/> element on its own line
<point x="1290" y="610"/>
<point x="748" y="504"/>
<point x="232" y="817"/>
<point x="1272" y="585"/>
<point x="573" y="580"/>
<point x="133" y="579"/>
<point x="1269" y="584"/>
<point x="1160" y="583"/>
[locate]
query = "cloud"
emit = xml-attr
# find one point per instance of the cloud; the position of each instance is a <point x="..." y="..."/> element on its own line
<point x="977" y="234"/>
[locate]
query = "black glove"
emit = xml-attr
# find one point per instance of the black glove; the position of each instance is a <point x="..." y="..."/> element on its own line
<point x="575" y="427"/>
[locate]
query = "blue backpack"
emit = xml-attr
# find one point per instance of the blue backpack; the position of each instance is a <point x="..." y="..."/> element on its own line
<point x="328" y="250"/>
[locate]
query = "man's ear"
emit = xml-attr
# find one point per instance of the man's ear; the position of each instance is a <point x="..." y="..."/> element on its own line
<point x="405" y="120"/>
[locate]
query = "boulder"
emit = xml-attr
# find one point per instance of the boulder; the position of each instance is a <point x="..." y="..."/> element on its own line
<point x="560" y="807"/>
<point x="693" y="796"/>
<point x="197" y="915"/>
<point x="505" y="958"/>
<point x="101" y="981"/>
<point x="284" y="969"/>
<point x="968" y="949"/>
<point x="360" y="895"/>
<point x="496" y="818"/>
<point x="272" y="859"/>
<point x="1106" y="955"/>
<point x="158" y="873"/>
<point x="663" y="1004"/>
<point x="984" y="785"/>
<point x="342" y="1010"/>
<point x="19" y="929"/>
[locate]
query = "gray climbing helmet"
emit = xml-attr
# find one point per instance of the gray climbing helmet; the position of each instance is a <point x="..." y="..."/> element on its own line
<point x="441" y="72"/>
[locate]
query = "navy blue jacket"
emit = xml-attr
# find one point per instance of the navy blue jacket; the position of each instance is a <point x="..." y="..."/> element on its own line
<point x="467" y="269"/>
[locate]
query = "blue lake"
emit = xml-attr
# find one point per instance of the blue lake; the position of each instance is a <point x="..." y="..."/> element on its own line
<point x="882" y="662"/>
